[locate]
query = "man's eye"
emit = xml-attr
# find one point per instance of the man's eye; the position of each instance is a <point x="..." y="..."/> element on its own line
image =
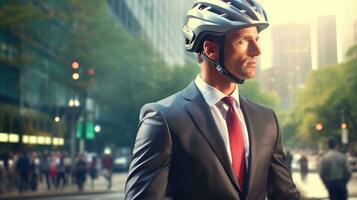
<point x="243" y="41"/>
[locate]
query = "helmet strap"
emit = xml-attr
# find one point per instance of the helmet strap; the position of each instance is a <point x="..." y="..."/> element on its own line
<point x="220" y="65"/>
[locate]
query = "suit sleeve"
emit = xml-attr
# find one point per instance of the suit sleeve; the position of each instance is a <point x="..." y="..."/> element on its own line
<point x="281" y="185"/>
<point x="149" y="168"/>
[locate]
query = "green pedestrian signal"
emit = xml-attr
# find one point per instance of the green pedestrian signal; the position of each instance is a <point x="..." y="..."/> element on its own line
<point x="79" y="129"/>
<point x="90" y="130"/>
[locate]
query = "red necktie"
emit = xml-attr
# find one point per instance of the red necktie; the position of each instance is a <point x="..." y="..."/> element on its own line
<point x="236" y="141"/>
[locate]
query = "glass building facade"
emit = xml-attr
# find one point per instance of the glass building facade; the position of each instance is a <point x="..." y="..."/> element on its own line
<point x="160" y="22"/>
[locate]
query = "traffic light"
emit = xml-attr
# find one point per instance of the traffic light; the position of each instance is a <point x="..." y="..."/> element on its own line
<point x="89" y="130"/>
<point x="90" y="72"/>
<point x="319" y="126"/>
<point x="343" y="125"/>
<point x="90" y="75"/>
<point x="79" y="129"/>
<point x="75" y="70"/>
<point x="85" y="130"/>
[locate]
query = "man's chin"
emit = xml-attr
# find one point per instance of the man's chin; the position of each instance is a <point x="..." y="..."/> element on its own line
<point x="247" y="76"/>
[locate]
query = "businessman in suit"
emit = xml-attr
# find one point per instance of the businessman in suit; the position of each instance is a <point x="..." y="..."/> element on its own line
<point x="206" y="141"/>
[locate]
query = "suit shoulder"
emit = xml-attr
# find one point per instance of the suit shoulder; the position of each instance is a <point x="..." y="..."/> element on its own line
<point x="169" y="104"/>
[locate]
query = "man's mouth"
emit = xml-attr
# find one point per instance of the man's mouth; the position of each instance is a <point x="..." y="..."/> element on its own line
<point x="252" y="63"/>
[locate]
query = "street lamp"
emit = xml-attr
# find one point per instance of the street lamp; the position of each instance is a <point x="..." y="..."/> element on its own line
<point x="74" y="103"/>
<point x="71" y="103"/>
<point x="57" y="119"/>
<point x="97" y="128"/>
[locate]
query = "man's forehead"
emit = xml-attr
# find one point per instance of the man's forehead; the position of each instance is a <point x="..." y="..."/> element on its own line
<point x="252" y="30"/>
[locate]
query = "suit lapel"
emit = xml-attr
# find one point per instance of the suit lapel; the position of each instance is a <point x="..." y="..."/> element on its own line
<point x="202" y="117"/>
<point x="252" y="123"/>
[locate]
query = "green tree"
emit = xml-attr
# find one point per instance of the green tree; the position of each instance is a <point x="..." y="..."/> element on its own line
<point x="251" y="90"/>
<point x="328" y="97"/>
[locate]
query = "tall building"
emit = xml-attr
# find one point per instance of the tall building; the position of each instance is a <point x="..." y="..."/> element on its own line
<point x="26" y="93"/>
<point x="326" y="40"/>
<point x="160" y="22"/>
<point x="126" y="17"/>
<point x="291" y="61"/>
<point x="346" y="29"/>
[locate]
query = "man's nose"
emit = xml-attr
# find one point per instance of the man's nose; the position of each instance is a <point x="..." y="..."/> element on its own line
<point x="254" y="49"/>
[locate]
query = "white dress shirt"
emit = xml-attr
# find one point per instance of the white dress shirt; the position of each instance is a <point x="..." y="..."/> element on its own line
<point x="219" y="110"/>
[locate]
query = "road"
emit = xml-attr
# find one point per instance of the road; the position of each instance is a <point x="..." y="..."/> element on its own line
<point x="311" y="188"/>
<point x="106" y="196"/>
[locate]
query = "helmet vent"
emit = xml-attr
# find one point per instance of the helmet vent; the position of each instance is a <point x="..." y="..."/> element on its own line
<point x="245" y="7"/>
<point x="250" y="2"/>
<point x="216" y="11"/>
<point x="201" y="7"/>
<point x="228" y="17"/>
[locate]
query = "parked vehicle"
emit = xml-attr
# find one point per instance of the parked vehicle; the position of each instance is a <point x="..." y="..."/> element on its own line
<point x="122" y="158"/>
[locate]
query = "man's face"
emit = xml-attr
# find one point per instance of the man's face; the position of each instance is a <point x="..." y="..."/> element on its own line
<point x="240" y="52"/>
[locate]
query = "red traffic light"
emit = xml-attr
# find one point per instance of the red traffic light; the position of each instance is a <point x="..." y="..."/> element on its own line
<point x="90" y="72"/>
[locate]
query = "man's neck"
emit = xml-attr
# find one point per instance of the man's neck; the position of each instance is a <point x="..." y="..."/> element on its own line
<point x="218" y="81"/>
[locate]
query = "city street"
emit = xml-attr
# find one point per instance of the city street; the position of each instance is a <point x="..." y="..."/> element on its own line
<point x="311" y="188"/>
<point x="109" y="196"/>
<point x="71" y="191"/>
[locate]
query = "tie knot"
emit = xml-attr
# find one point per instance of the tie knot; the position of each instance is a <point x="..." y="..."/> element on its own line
<point x="228" y="100"/>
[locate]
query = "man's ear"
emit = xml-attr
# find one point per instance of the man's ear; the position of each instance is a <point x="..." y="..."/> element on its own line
<point x="211" y="49"/>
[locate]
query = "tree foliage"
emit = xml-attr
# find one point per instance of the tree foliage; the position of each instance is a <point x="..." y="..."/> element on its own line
<point x="251" y="90"/>
<point x="328" y="97"/>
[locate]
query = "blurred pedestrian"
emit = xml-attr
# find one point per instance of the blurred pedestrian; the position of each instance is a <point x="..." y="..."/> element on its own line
<point x="334" y="171"/>
<point x="44" y="167"/>
<point x="3" y="179"/>
<point x="23" y="171"/>
<point x="61" y="173"/>
<point x="67" y="166"/>
<point x="52" y="170"/>
<point x="304" y="167"/>
<point x="93" y="170"/>
<point x="107" y="163"/>
<point x="34" y="172"/>
<point x="288" y="159"/>
<point x="5" y="158"/>
<point x="81" y="172"/>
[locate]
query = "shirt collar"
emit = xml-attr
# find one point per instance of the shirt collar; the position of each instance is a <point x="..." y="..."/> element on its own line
<point x="212" y="95"/>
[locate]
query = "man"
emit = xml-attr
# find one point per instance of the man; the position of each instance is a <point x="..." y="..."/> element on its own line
<point x="334" y="171"/>
<point x="23" y="171"/>
<point x="207" y="142"/>
<point x="81" y="171"/>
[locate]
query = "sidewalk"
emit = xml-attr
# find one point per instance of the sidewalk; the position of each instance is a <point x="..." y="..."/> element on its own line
<point x="99" y="187"/>
<point x="313" y="188"/>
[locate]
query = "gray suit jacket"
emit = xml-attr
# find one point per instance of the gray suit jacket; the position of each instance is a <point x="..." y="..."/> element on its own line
<point x="179" y="154"/>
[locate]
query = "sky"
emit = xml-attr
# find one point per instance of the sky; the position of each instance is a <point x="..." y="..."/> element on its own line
<point x="306" y="12"/>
